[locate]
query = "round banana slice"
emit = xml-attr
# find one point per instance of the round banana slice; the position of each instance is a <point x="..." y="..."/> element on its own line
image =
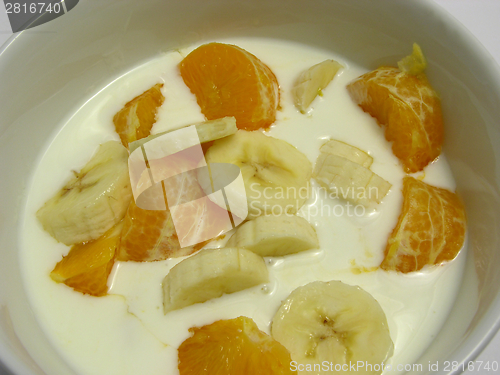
<point x="339" y="328"/>
<point x="275" y="173"/>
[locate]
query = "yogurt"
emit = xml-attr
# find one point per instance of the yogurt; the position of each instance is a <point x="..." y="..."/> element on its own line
<point x="126" y="332"/>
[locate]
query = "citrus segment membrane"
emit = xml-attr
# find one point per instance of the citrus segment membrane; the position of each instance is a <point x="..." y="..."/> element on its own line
<point x="135" y="120"/>
<point x="87" y="266"/>
<point x="150" y="234"/>
<point x="232" y="347"/>
<point x="408" y="107"/>
<point x="430" y="229"/>
<point x="229" y="81"/>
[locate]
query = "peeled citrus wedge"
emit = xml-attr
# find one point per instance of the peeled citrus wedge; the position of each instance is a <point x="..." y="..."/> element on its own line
<point x="135" y="120"/>
<point x="430" y="229"/>
<point x="151" y="235"/>
<point x="232" y="347"/>
<point x="409" y="108"/>
<point x="87" y="266"/>
<point x="229" y="81"/>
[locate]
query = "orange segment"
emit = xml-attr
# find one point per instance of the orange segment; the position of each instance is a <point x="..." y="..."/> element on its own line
<point x="410" y="109"/>
<point x="430" y="228"/>
<point x="150" y="235"/>
<point x="135" y="120"/>
<point x="87" y="266"/>
<point x="229" y="81"/>
<point x="232" y="347"/>
<point x="93" y="282"/>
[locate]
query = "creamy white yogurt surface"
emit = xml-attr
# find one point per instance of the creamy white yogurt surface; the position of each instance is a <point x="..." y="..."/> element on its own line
<point x="126" y="332"/>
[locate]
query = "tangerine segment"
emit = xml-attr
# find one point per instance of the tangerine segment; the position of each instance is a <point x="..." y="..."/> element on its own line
<point x="135" y="120"/>
<point x="87" y="266"/>
<point x="430" y="229"/>
<point x="232" y="347"/>
<point x="410" y="109"/>
<point x="150" y="235"/>
<point x="93" y="282"/>
<point x="229" y="81"/>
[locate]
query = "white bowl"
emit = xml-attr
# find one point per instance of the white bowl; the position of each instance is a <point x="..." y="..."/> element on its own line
<point x="47" y="73"/>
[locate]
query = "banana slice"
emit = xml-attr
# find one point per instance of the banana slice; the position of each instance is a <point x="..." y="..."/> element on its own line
<point x="334" y="323"/>
<point x="210" y="274"/>
<point x="275" y="173"/>
<point x="93" y="201"/>
<point x="349" y="180"/>
<point x="347" y="151"/>
<point x="271" y="236"/>
<point x="310" y="83"/>
<point x="207" y="131"/>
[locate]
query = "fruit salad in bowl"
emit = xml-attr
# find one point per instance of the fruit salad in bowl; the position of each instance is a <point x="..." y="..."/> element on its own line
<point x="248" y="203"/>
<point x="300" y="280"/>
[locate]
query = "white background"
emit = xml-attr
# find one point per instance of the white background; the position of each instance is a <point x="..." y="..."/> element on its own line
<point x="481" y="17"/>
